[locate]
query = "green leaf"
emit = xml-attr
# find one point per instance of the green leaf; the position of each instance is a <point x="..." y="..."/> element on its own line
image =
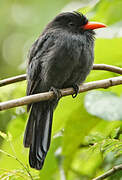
<point x="106" y="51"/>
<point x="7" y="136"/>
<point x="108" y="11"/>
<point x="78" y="126"/>
<point x="111" y="145"/>
<point x="115" y="133"/>
<point x="105" y="105"/>
<point x="87" y="160"/>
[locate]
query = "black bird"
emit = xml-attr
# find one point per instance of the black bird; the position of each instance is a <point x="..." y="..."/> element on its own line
<point x="61" y="57"/>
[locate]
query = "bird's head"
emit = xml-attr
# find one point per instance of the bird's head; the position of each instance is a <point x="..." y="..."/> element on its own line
<point x="74" y="21"/>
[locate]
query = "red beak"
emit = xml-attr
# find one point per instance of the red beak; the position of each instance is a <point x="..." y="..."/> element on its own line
<point x="94" y="25"/>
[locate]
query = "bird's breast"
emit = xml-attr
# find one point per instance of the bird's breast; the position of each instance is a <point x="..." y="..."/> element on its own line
<point x="68" y="63"/>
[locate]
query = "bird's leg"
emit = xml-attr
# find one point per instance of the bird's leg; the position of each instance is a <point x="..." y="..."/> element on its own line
<point x="56" y="92"/>
<point x="76" y="90"/>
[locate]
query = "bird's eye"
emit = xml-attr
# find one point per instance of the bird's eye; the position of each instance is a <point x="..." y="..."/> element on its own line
<point x="71" y="24"/>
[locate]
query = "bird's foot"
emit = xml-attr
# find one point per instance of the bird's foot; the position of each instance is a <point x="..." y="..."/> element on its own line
<point x="76" y="90"/>
<point x="57" y="93"/>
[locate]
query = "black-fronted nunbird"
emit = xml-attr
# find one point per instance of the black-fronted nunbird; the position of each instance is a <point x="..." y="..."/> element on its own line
<point x="61" y="57"/>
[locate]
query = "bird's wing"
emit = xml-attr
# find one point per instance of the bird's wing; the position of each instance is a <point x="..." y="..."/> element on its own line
<point x="34" y="64"/>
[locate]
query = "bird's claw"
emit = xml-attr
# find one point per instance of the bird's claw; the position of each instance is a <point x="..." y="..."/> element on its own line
<point x="57" y="93"/>
<point x="76" y="90"/>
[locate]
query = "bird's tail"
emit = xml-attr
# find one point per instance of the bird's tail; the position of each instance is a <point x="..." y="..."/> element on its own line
<point x="38" y="133"/>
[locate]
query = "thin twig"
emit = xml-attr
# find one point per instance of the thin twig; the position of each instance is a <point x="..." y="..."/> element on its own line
<point x="109" y="173"/>
<point x="12" y="80"/>
<point x="9" y="155"/>
<point x="64" y="92"/>
<point x="22" y="77"/>
<point x="106" y="67"/>
<point x="12" y="173"/>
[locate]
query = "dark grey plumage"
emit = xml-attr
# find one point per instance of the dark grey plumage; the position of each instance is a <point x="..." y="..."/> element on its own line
<point x="61" y="57"/>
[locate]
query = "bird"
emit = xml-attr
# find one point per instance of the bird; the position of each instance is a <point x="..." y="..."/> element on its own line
<point x="61" y="57"/>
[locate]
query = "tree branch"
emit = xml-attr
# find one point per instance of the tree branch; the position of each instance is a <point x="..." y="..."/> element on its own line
<point x="12" y="80"/>
<point x="109" y="173"/>
<point x="106" y="67"/>
<point x="65" y="92"/>
<point x="22" y="77"/>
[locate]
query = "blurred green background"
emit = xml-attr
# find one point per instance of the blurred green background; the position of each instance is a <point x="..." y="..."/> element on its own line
<point x="87" y="131"/>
